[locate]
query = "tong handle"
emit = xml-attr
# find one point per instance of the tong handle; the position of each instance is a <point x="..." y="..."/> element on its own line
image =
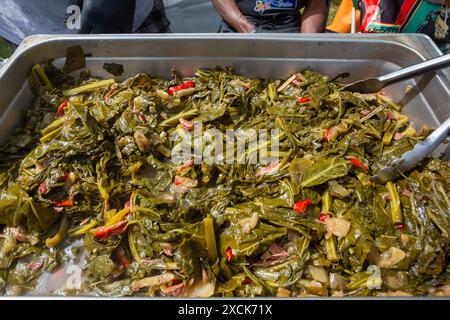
<point x="417" y="69"/>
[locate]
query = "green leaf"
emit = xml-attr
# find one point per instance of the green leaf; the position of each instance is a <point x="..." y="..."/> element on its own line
<point x="306" y="173"/>
<point x="75" y="59"/>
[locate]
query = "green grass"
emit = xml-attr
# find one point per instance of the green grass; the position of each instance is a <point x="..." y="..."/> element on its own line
<point x="5" y="49"/>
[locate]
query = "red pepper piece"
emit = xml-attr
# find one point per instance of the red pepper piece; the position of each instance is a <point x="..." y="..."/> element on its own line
<point x="173" y="89"/>
<point x="184" y="85"/>
<point x="323" y="217"/>
<point x="400" y="227"/>
<point x="230" y="254"/>
<point x="60" y="110"/>
<point x="64" y="203"/>
<point x="143" y="118"/>
<point x="303" y="99"/>
<point x="327" y="134"/>
<point x="246" y="280"/>
<point x="178" y="180"/>
<point x="189" y="84"/>
<point x="357" y="163"/>
<point x="115" y="229"/>
<point x="43" y="187"/>
<point x="301" y="206"/>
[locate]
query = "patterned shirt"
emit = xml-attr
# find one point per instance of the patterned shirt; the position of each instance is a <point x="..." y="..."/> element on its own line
<point x="157" y="21"/>
<point x="430" y="17"/>
<point x="265" y="8"/>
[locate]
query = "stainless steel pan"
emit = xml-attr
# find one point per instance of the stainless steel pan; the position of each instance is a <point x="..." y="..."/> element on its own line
<point x="271" y="56"/>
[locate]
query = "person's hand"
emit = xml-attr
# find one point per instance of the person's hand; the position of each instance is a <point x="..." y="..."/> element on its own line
<point x="230" y="12"/>
<point x="243" y="25"/>
<point x="107" y="16"/>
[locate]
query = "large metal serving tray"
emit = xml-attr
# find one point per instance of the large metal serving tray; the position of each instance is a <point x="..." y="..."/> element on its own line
<point x="270" y="56"/>
<point x="274" y="56"/>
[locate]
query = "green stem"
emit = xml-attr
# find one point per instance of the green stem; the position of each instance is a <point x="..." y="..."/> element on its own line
<point x="189" y="114"/>
<point x="84" y="229"/>
<point x="60" y="235"/>
<point x="50" y="136"/>
<point x="89" y="87"/>
<point x="394" y="202"/>
<point x="210" y="238"/>
<point x="330" y="248"/>
<point x="52" y="126"/>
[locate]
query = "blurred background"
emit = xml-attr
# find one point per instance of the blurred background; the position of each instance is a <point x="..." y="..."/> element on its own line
<point x="186" y="16"/>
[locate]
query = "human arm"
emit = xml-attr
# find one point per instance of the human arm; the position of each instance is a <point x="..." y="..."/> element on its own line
<point x="230" y="12"/>
<point x="314" y="16"/>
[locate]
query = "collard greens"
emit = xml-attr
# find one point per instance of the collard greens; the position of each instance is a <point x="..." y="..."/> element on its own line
<point x="91" y="166"/>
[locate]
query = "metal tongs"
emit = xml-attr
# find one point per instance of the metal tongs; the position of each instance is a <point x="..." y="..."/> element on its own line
<point x="421" y="150"/>
<point x="413" y="157"/>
